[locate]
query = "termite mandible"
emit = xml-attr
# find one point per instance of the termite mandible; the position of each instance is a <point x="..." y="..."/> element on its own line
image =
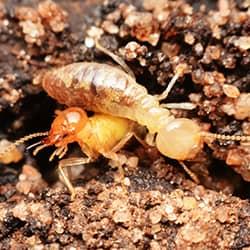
<point x="119" y="102"/>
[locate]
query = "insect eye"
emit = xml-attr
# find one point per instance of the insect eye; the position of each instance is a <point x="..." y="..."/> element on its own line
<point x="73" y="117"/>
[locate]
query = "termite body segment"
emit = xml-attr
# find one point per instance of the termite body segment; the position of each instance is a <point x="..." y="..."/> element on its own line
<point x="97" y="135"/>
<point x="106" y="89"/>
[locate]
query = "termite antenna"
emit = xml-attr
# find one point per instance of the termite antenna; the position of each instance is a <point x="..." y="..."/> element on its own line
<point x="179" y="71"/>
<point x="226" y="137"/>
<point x="116" y="58"/>
<point x="34" y="145"/>
<point x="21" y="141"/>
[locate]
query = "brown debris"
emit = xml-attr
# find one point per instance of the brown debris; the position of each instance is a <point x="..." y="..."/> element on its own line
<point x="32" y="21"/>
<point x="211" y="53"/>
<point x="31" y="24"/>
<point x="240" y="108"/>
<point x="143" y="26"/>
<point x="30" y="180"/>
<point x="243" y="42"/>
<point x="133" y="50"/>
<point x="239" y="159"/>
<point x="54" y="15"/>
<point x="109" y="27"/>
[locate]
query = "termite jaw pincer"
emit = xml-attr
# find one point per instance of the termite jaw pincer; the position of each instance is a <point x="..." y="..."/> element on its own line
<point x="64" y="130"/>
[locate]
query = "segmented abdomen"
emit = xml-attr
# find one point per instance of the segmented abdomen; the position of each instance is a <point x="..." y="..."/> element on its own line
<point x="105" y="89"/>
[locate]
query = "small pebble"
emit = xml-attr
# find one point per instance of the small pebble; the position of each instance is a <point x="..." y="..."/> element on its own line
<point x="243" y="42"/>
<point x="189" y="38"/>
<point x="54" y="15"/>
<point x="189" y="203"/>
<point x="109" y="27"/>
<point x="89" y="42"/>
<point x="230" y="90"/>
<point x="11" y="156"/>
<point x="155" y="216"/>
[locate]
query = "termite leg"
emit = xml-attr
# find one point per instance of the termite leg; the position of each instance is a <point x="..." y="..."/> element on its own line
<point x="125" y="139"/>
<point x="65" y="163"/>
<point x="112" y="154"/>
<point x="116" y="58"/>
<point x="115" y="157"/>
<point x="181" y="105"/>
<point x="191" y="174"/>
<point x="118" y="160"/>
<point x="165" y="93"/>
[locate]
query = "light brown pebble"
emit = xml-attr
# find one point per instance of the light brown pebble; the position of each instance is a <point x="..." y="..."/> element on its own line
<point x="11" y="156"/>
<point x="132" y="50"/>
<point x="169" y="212"/>
<point x="3" y="212"/>
<point x="246" y="128"/>
<point x="27" y="13"/>
<point x="189" y="203"/>
<point x="222" y="215"/>
<point x="114" y="16"/>
<point x="224" y="7"/>
<point x="242" y="42"/>
<point x="211" y="53"/>
<point x="170" y="49"/>
<point x="234" y="158"/>
<point x="189" y="38"/>
<point x="54" y="15"/>
<point x="137" y="235"/>
<point x="34" y="30"/>
<point x="242" y="107"/>
<point x="191" y="233"/>
<point x="30" y="180"/>
<point x="20" y="211"/>
<point x="230" y="90"/>
<point x="121" y="213"/>
<point x="152" y="4"/>
<point x="126" y="181"/>
<point x="198" y="48"/>
<point x="121" y="216"/>
<point x="155" y="216"/>
<point x="154" y="245"/>
<point x="41" y="212"/>
<point x="110" y="27"/>
<point x="156" y="228"/>
<point x="143" y="26"/>
<point x="95" y="32"/>
<point x="59" y="227"/>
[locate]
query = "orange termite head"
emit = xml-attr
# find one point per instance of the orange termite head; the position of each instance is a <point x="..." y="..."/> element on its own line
<point x="65" y="127"/>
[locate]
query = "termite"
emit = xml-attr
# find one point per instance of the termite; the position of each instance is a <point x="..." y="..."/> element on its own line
<point x="120" y="102"/>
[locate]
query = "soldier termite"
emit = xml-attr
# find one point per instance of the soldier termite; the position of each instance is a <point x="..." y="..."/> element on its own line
<point x="121" y="103"/>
